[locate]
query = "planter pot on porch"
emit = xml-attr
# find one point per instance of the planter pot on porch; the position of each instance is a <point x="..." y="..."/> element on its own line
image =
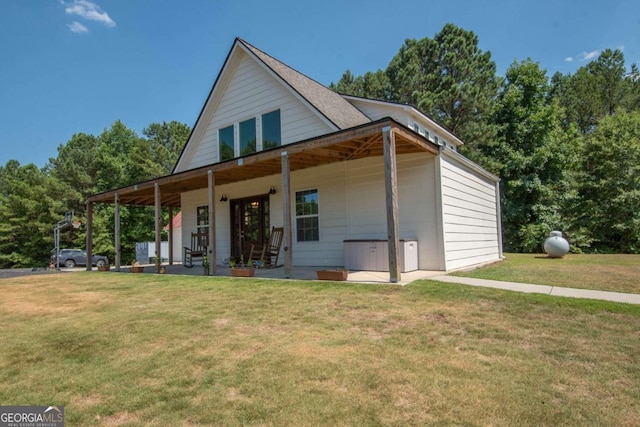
<point x="136" y="269"/>
<point x="335" y="275"/>
<point x="243" y="272"/>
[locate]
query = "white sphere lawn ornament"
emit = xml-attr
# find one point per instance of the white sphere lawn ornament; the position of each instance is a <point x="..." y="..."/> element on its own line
<point x="556" y="246"/>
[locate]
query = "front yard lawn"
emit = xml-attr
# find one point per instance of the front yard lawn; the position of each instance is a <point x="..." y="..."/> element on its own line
<point x="616" y="273"/>
<point x="123" y="349"/>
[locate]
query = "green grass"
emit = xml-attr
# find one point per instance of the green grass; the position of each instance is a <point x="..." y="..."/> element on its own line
<point x="120" y="349"/>
<point x="616" y="273"/>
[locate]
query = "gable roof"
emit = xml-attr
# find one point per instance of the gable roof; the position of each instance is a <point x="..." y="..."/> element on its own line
<point x="334" y="110"/>
<point x="333" y="106"/>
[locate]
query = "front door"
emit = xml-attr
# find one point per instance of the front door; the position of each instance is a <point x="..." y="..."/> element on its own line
<point x="249" y="224"/>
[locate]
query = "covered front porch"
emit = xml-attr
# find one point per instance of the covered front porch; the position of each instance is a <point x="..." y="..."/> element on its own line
<point x="384" y="138"/>
<point x="297" y="273"/>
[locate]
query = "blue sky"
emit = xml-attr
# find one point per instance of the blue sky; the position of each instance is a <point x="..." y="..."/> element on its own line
<point x="77" y="65"/>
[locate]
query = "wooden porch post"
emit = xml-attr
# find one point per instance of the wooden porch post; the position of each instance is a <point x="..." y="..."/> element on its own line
<point x="116" y="220"/>
<point x="158" y="226"/>
<point x="211" y="247"/>
<point x="170" y="235"/>
<point x="89" y="237"/>
<point x="391" y="187"/>
<point x="286" y="213"/>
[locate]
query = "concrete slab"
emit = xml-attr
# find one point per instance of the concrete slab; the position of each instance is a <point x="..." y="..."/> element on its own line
<point x="511" y="286"/>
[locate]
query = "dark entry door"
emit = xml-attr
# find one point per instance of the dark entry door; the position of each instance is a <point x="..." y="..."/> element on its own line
<point x="249" y="224"/>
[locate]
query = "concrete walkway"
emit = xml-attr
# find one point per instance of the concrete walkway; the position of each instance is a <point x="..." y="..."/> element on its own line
<point x="379" y="277"/>
<point x="542" y="289"/>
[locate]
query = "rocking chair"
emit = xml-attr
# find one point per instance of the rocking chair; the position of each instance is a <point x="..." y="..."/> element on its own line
<point x="199" y="243"/>
<point x="270" y="252"/>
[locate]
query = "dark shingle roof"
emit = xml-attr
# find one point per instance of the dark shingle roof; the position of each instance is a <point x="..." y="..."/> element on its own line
<point x="330" y="104"/>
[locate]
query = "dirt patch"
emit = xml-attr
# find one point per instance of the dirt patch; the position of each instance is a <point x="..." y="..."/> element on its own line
<point x="118" y="419"/>
<point x="41" y="298"/>
<point x="85" y="401"/>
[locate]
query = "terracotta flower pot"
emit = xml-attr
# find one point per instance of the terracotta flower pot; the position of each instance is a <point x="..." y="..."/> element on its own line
<point x="335" y="275"/>
<point x="136" y="269"/>
<point x="243" y="271"/>
<point x="104" y="268"/>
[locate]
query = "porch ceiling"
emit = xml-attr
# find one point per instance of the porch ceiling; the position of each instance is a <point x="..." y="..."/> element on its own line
<point x="351" y="144"/>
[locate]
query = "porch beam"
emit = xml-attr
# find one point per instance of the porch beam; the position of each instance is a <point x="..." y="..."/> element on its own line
<point x="116" y="220"/>
<point x="211" y="247"/>
<point x="158" y="222"/>
<point x="286" y="212"/>
<point x="89" y="237"/>
<point x="391" y="187"/>
<point x="170" y="235"/>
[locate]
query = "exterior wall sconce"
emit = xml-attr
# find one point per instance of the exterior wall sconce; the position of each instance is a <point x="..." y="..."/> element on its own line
<point x="223" y="198"/>
<point x="272" y="190"/>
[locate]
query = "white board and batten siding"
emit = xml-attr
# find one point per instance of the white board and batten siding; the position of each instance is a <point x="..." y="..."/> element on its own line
<point x="470" y="216"/>
<point x="251" y="92"/>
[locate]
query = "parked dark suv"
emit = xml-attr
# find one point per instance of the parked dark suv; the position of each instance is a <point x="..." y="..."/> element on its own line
<point x="72" y="257"/>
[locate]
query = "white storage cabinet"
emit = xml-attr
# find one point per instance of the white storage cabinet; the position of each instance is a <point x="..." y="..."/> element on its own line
<point x="373" y="255"/>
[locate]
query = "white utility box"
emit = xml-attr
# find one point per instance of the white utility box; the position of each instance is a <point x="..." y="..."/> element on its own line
<point x="373" y="255"/>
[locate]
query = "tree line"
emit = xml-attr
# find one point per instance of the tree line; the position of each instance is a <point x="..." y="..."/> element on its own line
<point x="566" y="147"/>
<point x="33" y="199"/>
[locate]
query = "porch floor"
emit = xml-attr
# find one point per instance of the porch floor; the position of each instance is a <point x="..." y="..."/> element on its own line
<point x="298" y="273"/>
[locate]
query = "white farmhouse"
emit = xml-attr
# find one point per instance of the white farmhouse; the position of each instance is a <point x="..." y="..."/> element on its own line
<point x="272" y="147"/>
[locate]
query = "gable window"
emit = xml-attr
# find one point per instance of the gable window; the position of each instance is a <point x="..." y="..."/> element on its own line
<point x="248" y="137"/>
<point x="307" y="225"/>
<point x="271" y="130"/>
<point x="225" y="143"/>
<point x="202" y="219"/>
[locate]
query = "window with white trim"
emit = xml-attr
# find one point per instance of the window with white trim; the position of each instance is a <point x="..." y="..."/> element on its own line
<point x="202" y="219"/>
<point x="225" y="143"/>
<point x="260" y="132"/>
<point x="307" y="223"/>
<point x="271" y="131"/>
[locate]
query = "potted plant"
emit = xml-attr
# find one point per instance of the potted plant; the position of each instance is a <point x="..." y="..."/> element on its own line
<point x="337" y="275"/>
<point x="136" y="268"/>
<point x="105" y="267"/>
<point x="242" y="269"/>
<point x="205" y="265"/>
<point x="161" y="269"/>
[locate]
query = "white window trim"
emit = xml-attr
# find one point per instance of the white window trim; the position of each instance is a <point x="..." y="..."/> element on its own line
<point x="296" y="216"/>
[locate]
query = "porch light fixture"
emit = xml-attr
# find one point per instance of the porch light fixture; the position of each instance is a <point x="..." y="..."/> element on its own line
<point x="272" y="190"/>
<point x="223" y="198"/>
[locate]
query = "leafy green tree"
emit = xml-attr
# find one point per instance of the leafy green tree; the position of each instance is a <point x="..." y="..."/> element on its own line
<point x="609" y="72"/>
<point x="76" y="167"/>
<point x="370" y="85"/>
<point x="596" y="90"/>
<point x="535" y="156"/>
<point x="31" y="202"/>
<point x="450" y="79"/>
<point x="165" y="143"/>
<point x="609" y="184"/>
<point x="349" y="84"/>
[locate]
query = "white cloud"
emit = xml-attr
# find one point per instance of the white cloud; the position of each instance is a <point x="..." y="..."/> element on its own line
<point x="90" y="11"/>
<point x="585" y="56"/>
<point x="77" y="27"/>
